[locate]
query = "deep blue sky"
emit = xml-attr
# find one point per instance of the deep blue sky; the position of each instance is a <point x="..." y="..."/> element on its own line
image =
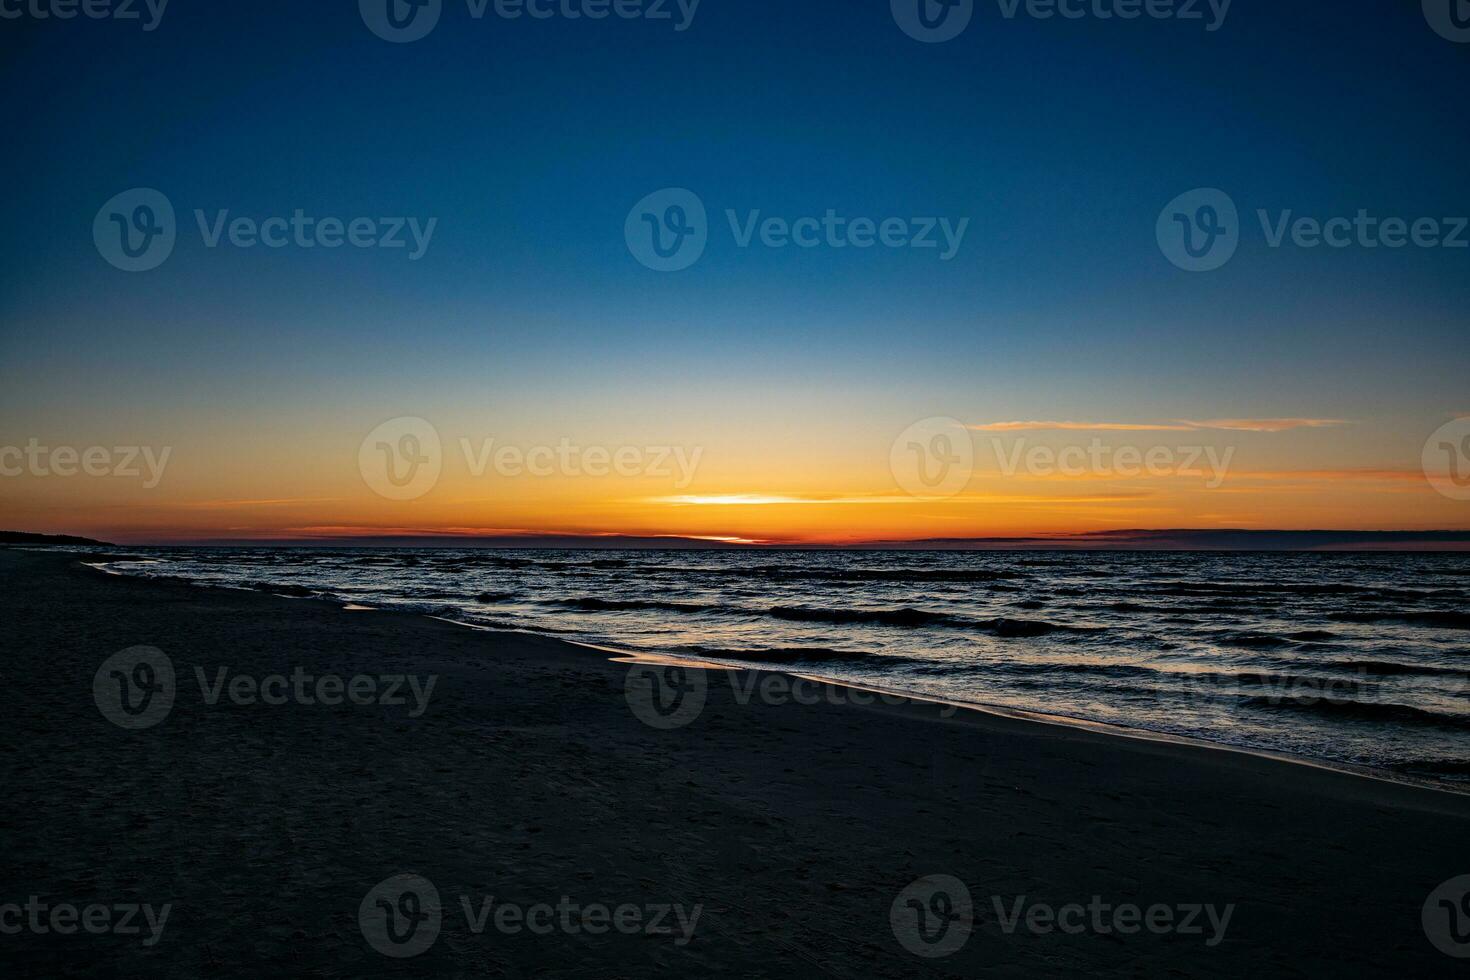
<point x="530" y="141"/>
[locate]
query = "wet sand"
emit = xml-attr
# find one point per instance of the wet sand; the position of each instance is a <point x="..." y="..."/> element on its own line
<point x="525" y="775"/>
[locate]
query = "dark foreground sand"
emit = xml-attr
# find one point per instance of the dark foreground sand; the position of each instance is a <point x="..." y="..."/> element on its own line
<point x="529" y="778"/>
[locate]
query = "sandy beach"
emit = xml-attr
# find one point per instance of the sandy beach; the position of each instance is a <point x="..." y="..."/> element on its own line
<point x="767" y="833"/>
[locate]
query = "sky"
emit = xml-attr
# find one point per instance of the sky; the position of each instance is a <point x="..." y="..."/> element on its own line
<point x="762" y="393"/>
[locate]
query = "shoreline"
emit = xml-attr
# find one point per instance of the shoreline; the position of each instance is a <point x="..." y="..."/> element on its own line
<point x="796" y="828"/>
<point x="1106" y="729"/>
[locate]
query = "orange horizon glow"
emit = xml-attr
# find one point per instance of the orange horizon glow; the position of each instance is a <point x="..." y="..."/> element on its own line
<point x="840" y="489"/>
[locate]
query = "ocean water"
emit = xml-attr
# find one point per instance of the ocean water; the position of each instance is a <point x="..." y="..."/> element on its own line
<point x="1352" y="658"/>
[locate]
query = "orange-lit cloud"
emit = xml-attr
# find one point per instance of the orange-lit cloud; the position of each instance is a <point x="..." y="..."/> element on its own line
<point x="769" y="500"/>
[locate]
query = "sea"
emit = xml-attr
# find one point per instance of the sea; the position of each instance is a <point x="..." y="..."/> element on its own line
<point x="1360" y="659"/>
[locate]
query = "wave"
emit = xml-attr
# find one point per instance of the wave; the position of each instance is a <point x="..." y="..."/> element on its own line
<point x="1296" y="589"/>
<point x="283" y="589"/>
<point x="1390" y="668"/>
<point x="1374" y="711"/>
<point x="1271" y="641"/>
<point x="788" y="572"/>
<point x="910" y="618"/>
<point x="906" y="617"/>
<point x="1446" y="619"/>
<point x="792" y="655"/>
<point x="596" y="604"/>
<point x="1439" y="767"/>
<point x="1012" y="628"/>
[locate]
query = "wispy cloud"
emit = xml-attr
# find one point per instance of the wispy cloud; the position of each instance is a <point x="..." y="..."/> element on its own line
<point x="1079" y="427"/>
<point x="277" y="502"/>
<point x="1377" y="475"/>
<point x="1176" y="425"/>
<point x="1268" y="425"/>
<point x="794" y="500"/>
<point x="340" y="531"/>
